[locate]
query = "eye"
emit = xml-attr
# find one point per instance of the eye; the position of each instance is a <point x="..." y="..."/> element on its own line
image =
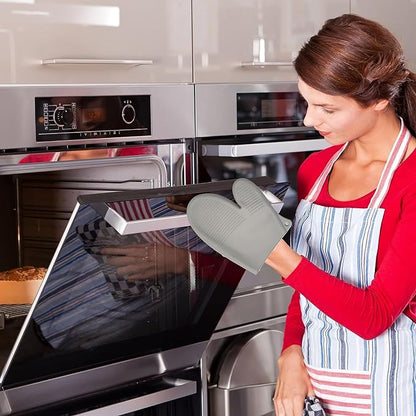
<point x="328" y="111"/>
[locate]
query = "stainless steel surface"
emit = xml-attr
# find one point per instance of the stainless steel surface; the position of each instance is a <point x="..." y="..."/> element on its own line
<point x="271" y="323"/>
<point x="176" y="389"/>
<point x="266" y="63"/>
<point x="216" y="108"/>
<point x="254" y="401"/>
<point x="92" y="61"/>
<point x="246" y="378"/>
<point x="97" y="168"/>
<point x="41" y="197"/>
<point x="4" y="404"/>
<point x="259" y="309"/>
<point x="90" y="381"/>
<point x="256" y="305"/>
<point x="172" y="111"/>
<point x="266" y="148"/>
<point x="241" y="370"/>
<point x="241" y="376"/>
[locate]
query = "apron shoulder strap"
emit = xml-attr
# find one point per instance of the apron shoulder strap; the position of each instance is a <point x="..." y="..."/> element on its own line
<point x="395" y="157"/>
<point x="319" y="183"/>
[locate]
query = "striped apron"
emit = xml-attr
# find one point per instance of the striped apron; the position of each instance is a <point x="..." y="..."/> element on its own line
<point x="350" y="375"/>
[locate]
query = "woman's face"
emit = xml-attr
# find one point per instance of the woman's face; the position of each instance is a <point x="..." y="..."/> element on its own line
<point x="337" y="118"/>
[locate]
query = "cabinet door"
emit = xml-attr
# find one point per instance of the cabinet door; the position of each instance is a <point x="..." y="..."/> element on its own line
<point x="398" y="17"/>
<point x="255" y="40"/>
<point x="72" y="41"/>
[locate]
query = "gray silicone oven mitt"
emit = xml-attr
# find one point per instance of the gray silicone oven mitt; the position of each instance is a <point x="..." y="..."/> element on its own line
<point x="244" y="231"/>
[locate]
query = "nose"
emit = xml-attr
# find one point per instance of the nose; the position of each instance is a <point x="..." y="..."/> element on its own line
<point x="308" y="120"/>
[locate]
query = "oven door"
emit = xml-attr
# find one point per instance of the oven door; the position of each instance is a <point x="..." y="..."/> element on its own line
<point x="131" y="294"/>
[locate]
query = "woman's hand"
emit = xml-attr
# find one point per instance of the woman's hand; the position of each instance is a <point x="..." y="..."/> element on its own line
<point x="293" y="383"/>
<point x="146" y="261"/>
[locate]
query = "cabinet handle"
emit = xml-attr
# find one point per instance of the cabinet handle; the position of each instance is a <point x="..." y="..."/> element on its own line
<point x="267" y="63"/>
<point x="82" y="61"/>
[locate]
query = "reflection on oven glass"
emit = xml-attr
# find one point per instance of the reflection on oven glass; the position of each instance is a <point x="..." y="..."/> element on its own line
<point x="280" y="167"/>
<point x="110" y="296"/>
<point x="88" y="154"/>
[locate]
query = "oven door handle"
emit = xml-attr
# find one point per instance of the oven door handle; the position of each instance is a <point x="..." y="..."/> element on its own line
<point x="144" y="225"/>
<point x="176" y="389"/>
<point x="267" y="148"/>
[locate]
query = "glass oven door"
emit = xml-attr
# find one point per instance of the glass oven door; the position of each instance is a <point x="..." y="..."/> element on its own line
<point x="131" y="293"/>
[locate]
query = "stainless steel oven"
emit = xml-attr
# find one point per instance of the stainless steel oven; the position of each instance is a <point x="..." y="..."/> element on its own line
<point x="60" y="143"/>
<point x="126" y="310"/>
<point x="250" y="130"/>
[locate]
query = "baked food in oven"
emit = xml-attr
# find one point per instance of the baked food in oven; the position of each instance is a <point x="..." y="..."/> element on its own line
<point x="20" y="285"/>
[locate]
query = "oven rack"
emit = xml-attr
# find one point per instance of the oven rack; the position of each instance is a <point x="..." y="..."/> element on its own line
<point x="12" y="311"/>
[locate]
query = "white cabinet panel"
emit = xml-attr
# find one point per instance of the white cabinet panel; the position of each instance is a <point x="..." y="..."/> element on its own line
<point x="255" y="40"/>
<point x="399" y="17"/>
<point x="73" y="41"/>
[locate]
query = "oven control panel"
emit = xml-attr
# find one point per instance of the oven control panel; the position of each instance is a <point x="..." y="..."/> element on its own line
<point x="92" y="117"/>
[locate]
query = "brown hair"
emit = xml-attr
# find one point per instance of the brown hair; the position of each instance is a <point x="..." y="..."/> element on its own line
<point x="361" y="59"/>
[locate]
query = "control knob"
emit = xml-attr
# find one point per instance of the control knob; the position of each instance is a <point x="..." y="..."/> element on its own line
<point x="128" y="114"/>
<point x="63" y="116"/>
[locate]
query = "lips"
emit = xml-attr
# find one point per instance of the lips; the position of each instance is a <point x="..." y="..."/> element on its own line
<point x="324" y="133"/>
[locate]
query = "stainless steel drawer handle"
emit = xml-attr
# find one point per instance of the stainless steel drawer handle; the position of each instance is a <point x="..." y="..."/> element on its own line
<point x="87" y="61"/>
<point x="257" y="64"/>
<point x="175" y="389"/>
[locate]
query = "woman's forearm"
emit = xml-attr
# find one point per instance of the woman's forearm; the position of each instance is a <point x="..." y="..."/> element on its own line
<point x="283" y="259"/>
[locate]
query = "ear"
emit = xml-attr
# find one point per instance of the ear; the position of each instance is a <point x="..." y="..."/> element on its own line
<point x="381" y="105"/>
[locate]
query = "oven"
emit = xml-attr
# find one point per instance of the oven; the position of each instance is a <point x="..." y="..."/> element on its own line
<point x="125" y="311"/>
<point x="250" y="130"/>
<point x="116" y="346"/>
<point x="89" y="168"/>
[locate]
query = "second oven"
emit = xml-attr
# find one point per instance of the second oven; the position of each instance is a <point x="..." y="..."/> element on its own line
<point x="250" y="130"/>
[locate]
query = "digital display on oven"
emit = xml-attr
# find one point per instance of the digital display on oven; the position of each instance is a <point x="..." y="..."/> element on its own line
<point x="91" y="117"/>
<point x="270" y="110"/>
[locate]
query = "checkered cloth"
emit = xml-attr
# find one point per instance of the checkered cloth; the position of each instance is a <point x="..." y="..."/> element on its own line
<point x="313" y="407"/>
<point x="99" y="234"/>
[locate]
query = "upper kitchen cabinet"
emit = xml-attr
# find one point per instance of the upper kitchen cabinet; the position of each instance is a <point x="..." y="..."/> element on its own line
<point x="90" y="41"/>
<point x="399" y="17"/>
<point x="255" y="40"/>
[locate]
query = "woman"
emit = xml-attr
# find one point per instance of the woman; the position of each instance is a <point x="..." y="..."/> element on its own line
<point x="350" y="338"/>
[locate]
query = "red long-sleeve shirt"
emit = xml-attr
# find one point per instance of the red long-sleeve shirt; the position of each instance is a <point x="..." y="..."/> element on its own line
<point x="370" y="311"/>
